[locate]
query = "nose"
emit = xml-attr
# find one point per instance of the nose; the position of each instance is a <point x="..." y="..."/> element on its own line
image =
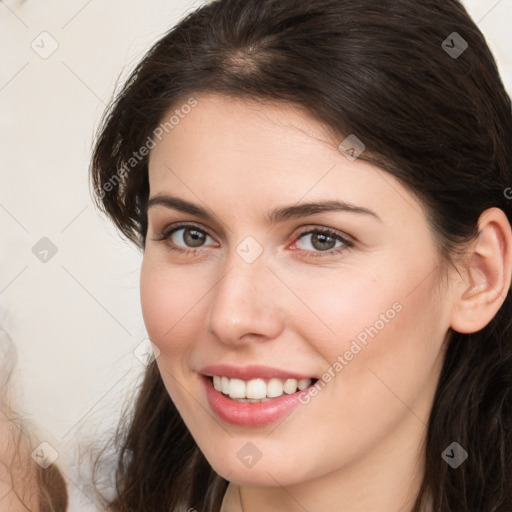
<point x="245" y="304"/>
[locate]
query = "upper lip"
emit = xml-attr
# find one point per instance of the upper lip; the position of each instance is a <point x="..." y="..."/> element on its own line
<point x="251" y="372"/>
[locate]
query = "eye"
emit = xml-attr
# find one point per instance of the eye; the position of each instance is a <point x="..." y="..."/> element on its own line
<point x="189" y="238"/>
<point x="189" y="235"/>
<point x="324" y="241"/>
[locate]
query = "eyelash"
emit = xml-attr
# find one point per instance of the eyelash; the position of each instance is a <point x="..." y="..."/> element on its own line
<point x="347" y="244"/>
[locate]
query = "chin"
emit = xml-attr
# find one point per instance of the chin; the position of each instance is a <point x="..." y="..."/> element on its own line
<point x="263" y="473"/>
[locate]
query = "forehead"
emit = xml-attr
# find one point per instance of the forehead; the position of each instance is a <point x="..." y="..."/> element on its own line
<point x="243" y="125"/>
<point x="240" y="152"/>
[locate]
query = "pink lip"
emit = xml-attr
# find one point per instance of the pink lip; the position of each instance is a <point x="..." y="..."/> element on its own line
<point x="246" y="414"/>
<point x="250" y="372"/>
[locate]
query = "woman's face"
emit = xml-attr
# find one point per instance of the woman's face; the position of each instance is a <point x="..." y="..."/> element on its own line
<point x="349" y="297"/>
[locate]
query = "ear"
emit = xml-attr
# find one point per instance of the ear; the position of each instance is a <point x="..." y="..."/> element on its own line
<point x="483" y="285"/>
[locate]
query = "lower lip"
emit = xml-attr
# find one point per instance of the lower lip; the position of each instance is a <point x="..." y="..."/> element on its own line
<point x="247" y="414"/>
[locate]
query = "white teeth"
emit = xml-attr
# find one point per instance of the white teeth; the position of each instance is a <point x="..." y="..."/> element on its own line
<point x="258" y="389"/>
<point x="274" y="388"/>
<point x="224" y="385"/>
<point x="236" y="388"/>
<point x="290" y="386"/>
<point x="303" y="383"/>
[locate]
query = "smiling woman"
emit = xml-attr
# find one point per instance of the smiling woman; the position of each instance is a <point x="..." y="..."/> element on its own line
<point x="327" y="260"/>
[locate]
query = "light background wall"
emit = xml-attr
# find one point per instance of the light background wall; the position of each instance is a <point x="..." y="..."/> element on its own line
<point x="75" y="319"/>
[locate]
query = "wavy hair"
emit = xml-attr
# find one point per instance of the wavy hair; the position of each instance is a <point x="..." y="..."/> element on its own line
<point x="26" y="483"/>
<point x="431" y="112"/>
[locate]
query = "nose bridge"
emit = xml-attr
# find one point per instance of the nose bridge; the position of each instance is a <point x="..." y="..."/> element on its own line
<point x="243" y="300"/>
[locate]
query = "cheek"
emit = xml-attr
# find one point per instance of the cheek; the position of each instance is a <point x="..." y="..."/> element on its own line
<point x="340" y="308"/>
<point x="377" y="321"/>
<point x="153" y="301"/>
<point x="172" y="301"/>
<point x="380" y="302"/>
<point x="162" y="300"/>
<point x="390" y="354"/>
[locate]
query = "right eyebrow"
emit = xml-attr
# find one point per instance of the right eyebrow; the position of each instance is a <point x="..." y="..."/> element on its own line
<point x="176" y="203"/>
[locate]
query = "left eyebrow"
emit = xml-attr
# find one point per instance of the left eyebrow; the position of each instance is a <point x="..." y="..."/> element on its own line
<point x="305" y="209"/>
<point x="274" y="216"/>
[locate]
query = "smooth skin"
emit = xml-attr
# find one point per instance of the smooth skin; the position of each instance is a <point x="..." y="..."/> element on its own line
<point x="299" y="305"/>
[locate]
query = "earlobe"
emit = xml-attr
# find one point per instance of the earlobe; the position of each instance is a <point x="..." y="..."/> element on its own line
<point x="485" y="283"/>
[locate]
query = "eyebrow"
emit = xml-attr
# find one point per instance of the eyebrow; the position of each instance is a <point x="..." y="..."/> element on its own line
<point x="273" y="217"/>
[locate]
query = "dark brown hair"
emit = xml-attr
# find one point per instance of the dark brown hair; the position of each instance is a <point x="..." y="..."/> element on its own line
<point x="440" y="122"/>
